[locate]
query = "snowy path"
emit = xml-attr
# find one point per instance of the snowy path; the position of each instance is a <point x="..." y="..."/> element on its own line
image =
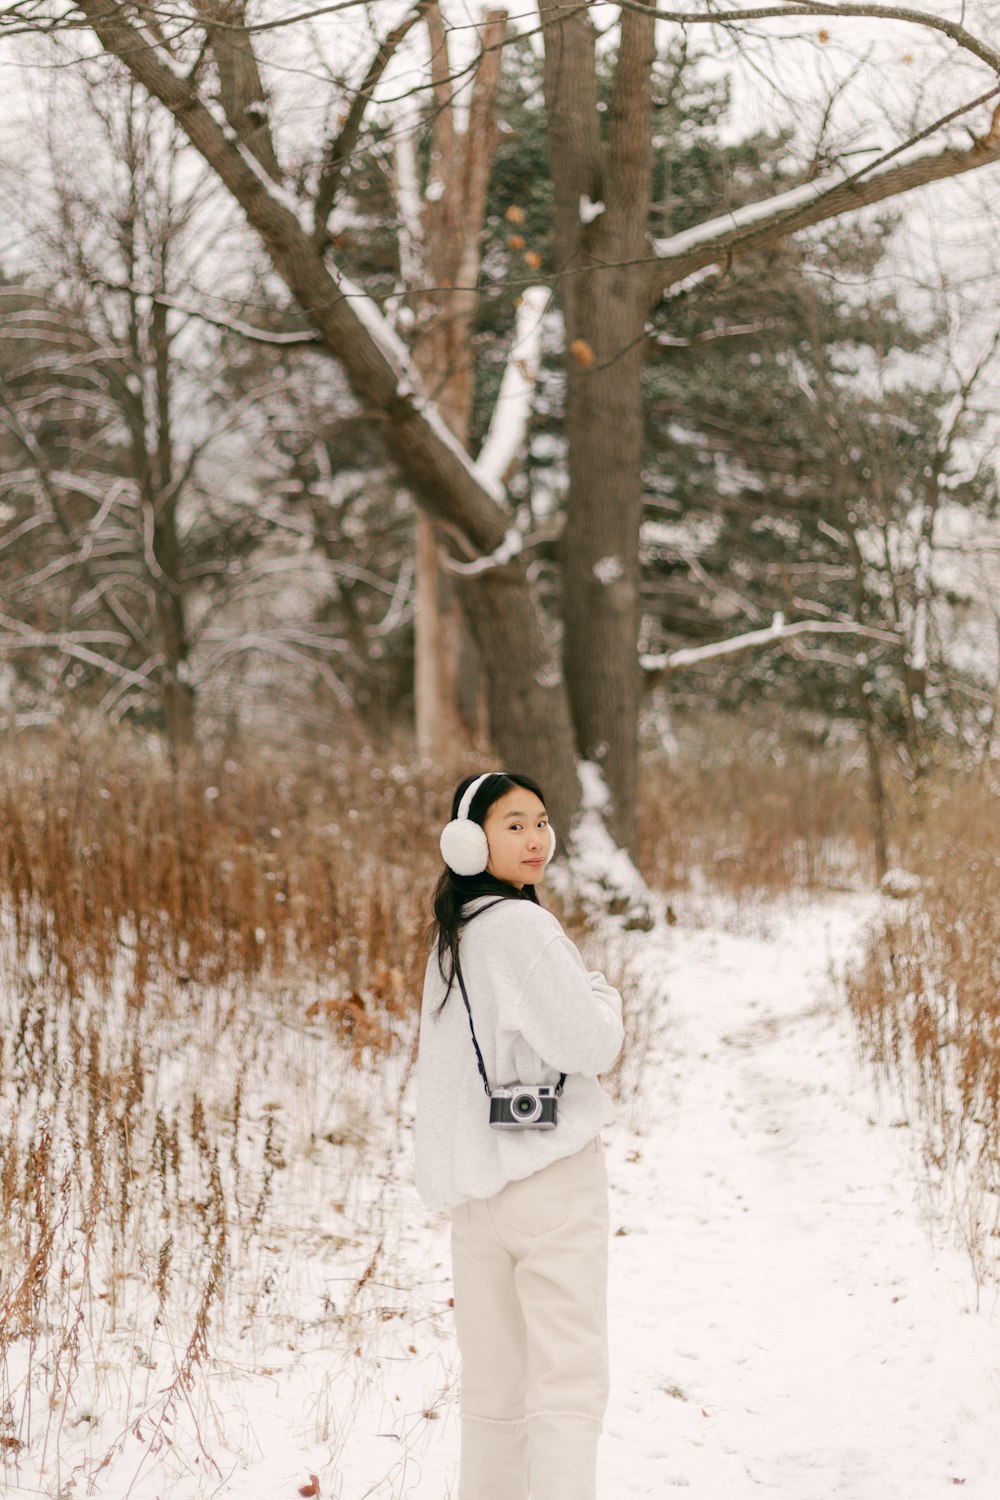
<point x="782" y="1323"/>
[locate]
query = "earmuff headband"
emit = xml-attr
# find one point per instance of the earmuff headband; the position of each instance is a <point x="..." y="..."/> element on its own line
<point x="471" y="790"/>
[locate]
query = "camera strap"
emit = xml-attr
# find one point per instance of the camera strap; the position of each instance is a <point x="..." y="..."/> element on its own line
<point x="475" y="1043"/>
<point x="468" y="1007"/>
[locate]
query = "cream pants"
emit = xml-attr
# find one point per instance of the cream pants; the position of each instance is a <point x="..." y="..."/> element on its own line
<point x="531" y="1274"/>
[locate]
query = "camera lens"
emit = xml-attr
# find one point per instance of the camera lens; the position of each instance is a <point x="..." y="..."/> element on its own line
<point x="524" y="1107"/>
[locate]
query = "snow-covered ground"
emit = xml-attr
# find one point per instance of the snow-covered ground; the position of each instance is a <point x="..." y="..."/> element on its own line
<point x="784" y="1320"/>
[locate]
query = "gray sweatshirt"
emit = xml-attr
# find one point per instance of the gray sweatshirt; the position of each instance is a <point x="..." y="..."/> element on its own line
<point x="538" y="1013"/>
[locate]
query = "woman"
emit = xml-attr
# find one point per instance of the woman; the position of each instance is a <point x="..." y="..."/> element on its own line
<point x="507" y="1000"/>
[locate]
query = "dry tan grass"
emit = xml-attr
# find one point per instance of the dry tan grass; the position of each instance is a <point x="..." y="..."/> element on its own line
<point x="927" y="999"/>
<point x="242" y="867"/>
<point x="321" y="864"/>
<point x="744" y="808"/>
<point x="200" y="972"/>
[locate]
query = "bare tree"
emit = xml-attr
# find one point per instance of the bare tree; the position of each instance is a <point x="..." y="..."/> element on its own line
<point x="168" y="479"/>
<point x="90" y="405"/>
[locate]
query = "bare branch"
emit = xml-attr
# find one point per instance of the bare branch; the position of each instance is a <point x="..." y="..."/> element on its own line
<point x="17" y="19"/>
<point x="350" y="324"/>
<point x="511" y="547"/>
<point x="340" y="148"/>
<point x="777" y="631"/>
<point x="216" y="320"/>
<point x="397" y="605"/>
<point x="953" y="29"/>
<point x="27" y="442"/>
<point x="70" y="643"/>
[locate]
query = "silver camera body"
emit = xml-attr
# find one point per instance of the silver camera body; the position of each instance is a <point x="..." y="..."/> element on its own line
<point x="523" y="1106"/>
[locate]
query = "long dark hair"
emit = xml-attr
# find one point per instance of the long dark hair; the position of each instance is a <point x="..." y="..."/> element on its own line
<point x="452" y="891"/>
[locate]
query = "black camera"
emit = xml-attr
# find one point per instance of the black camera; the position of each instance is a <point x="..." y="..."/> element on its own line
<point x="523" y="1106"/>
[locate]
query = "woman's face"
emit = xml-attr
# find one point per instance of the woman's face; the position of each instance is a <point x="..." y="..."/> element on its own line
<point x="517" y="831"/>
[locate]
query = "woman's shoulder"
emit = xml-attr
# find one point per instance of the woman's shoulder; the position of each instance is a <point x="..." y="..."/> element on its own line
<point x="516" y="918"/>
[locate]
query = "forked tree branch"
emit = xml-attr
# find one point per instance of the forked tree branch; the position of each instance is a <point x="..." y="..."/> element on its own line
<point x="241" y="90"/>
<point x="351" y="326"/>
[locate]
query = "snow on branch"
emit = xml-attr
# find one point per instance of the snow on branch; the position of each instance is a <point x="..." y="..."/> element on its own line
<point x="747" y="215"/>
<point x="733" y="331"/>
<point x="512" y="412"/>
<point x="408" y="202"/>
<point x="236" y="325"/>
<point x="74" y="644"/>
<point x="352" y="326"/>
<point x="372" y="318"/>
<point x="511" y="547"/>
<point x="755" y="225"/>
<point x="399" y="602"/>
<point x="778" y="630"/>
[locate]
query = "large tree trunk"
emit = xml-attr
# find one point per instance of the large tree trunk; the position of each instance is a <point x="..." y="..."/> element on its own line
<point x="604" y="294"/>
<point x="600" y="546"/>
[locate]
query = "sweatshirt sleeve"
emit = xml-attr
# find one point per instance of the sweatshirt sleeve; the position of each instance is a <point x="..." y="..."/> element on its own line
<point x="571" y="1017"/>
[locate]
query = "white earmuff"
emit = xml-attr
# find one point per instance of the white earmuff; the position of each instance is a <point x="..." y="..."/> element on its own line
<point x="552" y="847"/>
<point x="464" y="846"/>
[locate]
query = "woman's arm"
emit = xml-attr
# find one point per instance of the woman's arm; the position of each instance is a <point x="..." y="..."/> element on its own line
<point x="571" y="1017"/>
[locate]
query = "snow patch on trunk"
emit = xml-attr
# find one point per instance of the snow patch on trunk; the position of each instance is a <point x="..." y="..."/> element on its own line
<point x="598" y="875"/>
<point x="608" y="570"/>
